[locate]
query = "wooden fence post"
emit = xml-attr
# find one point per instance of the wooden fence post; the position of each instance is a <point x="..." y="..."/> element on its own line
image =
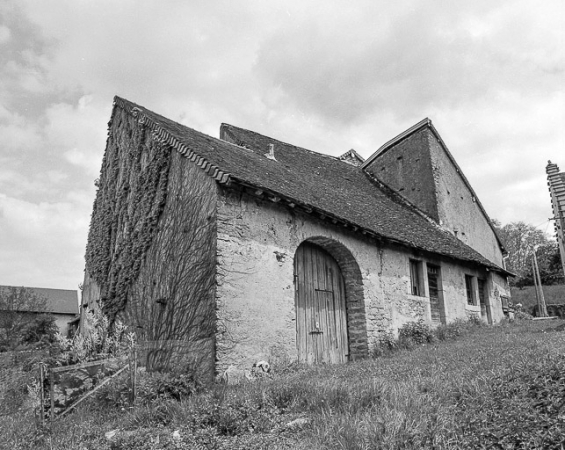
<point x="52" y="394"/>
<point x="133" y="374"/>
<point x="42" y="396"/>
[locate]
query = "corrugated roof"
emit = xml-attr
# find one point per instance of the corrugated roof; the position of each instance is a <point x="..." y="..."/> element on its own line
<point x="314" y="180"/>
<point x="59" y="301"/>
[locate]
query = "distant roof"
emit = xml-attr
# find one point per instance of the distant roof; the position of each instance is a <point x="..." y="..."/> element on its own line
<point x="319" y="183"/>
<point x="58" y="301"/>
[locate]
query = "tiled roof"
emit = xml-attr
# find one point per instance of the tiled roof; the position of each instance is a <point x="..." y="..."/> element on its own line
<point x="313" y="181"/>
<point x="58" y="301"/>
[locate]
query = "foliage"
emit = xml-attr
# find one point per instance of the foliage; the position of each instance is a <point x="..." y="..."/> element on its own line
<point x="99" y="340"/>
<point x="549" y="264"/>
<point x="501" y="388"/>
<point x="519" y="239"/>
<point x="129" y="201"/>
<point x="41" y="329"/>
<point x="527" y="296"/>
<point x="453" y="330"/>
<point x="174" y="386"/>
<point x="151" y="244"/>
<point x="521" y="315"/>
<point x="19" y="323"/>
<point x="416" y="332"/>
<point x="412" y="334"/>
<point x="385" y="344"/>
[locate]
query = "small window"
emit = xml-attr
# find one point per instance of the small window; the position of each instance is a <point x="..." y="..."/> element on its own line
<point x="469" y="289"/>
<point x="415" y="278"/>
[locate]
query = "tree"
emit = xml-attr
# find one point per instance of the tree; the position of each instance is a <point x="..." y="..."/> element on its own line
<point x="519" y="238"/>
<point x="549" y="263"/>
<point x="19" y="309"/>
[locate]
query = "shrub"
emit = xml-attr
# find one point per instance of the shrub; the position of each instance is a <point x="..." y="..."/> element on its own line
<point x="41" y="329"/>
<point x="98" y="341"/>
<point x="415" y="332"/>
<point x="521" y="315"/>
<point x="475" y="320"/>
<point x="451" y="330"/>
<point x="384" y="345"/>
<point x="160" y="385"/>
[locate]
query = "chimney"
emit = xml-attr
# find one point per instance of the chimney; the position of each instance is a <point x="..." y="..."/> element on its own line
<point x="271" y="154"/>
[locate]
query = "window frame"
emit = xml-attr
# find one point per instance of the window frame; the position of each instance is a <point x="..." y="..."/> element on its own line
<point x="470" y="290"/>
<point x="416" y="279"/>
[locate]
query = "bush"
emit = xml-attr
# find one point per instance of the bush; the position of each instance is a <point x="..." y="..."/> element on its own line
<point x="385" y="345"/>
<point x="98" y="341"/>
<point x="415" y="333"/>
<point x="41" y="329"/>
<point x="160" y="385"/>
<point x="452" y="330"/>
<point x="521" y="315"/>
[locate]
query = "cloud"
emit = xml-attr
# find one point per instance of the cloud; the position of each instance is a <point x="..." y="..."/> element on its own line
<point x="5" y="34"/>
<point x="35" y="238"/>
<point x="410" y="60"/>
<point x="329" y="78"/>
<point x="78" y="132"/>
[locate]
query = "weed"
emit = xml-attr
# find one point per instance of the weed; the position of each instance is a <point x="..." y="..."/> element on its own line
<point x="416" y="332"/>
<point x="502" y="387"/>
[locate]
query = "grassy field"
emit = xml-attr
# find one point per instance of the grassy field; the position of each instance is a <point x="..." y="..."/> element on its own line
<point x="496" y="387"/>
<point x="527" y="295"/>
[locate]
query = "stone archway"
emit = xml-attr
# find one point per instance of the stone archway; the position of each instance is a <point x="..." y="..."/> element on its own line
<point x="355" y="318"/>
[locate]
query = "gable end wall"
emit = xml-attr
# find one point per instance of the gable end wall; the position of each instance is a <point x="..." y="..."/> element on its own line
<point x="171" y="302"/>
<point x="407" y="168"/>
<point x="458" y="209"/>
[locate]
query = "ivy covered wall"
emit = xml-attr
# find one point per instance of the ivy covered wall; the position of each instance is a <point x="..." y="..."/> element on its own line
<point x="151" y="250"/>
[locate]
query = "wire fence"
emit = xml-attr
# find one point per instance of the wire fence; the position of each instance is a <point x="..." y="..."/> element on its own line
<point x="31" y="383"/>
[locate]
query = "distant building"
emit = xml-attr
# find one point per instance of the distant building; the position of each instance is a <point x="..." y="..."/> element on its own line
<point x="61" y="303"/>
<point x="556" y="183"/>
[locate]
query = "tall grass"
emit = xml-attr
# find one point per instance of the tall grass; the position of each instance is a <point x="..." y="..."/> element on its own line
<point x="496" y="387"/>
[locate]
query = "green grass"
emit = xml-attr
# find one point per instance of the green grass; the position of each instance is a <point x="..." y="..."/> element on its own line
<point x="527" y="295"/>
<point x="496" y="387"/>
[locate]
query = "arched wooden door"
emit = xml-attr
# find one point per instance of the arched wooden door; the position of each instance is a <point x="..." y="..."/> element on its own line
<point x="321" y="322"/>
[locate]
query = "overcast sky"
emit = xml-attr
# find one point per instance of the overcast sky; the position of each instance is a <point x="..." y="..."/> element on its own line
<point x="322" y="75"/>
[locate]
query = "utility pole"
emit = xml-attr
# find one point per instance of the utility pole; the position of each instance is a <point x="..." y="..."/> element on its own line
<point x="542" y="309"/>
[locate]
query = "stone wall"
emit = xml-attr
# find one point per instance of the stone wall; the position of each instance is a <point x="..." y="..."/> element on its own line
<point x="407" y="168"/>
<point x="420" y="169"/>
<point x="459" y="209"/>
<point x="257" y="240"/>
<point x="151" y="252"/>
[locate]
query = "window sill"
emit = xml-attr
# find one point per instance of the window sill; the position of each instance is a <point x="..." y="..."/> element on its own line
<point x="473" y="308"/>
<point x="418" y="298"/>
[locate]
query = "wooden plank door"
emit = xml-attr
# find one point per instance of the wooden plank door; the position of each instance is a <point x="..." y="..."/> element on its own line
<point x="485" y="310"/>
<point x="321" y="323"/>
<point x="435" y="301"/>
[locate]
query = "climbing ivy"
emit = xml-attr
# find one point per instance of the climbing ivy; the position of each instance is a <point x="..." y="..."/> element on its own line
<point x="132" y="192"/>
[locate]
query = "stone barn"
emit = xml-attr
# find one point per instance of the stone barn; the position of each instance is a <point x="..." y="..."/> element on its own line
<point x="245" y="248"/>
